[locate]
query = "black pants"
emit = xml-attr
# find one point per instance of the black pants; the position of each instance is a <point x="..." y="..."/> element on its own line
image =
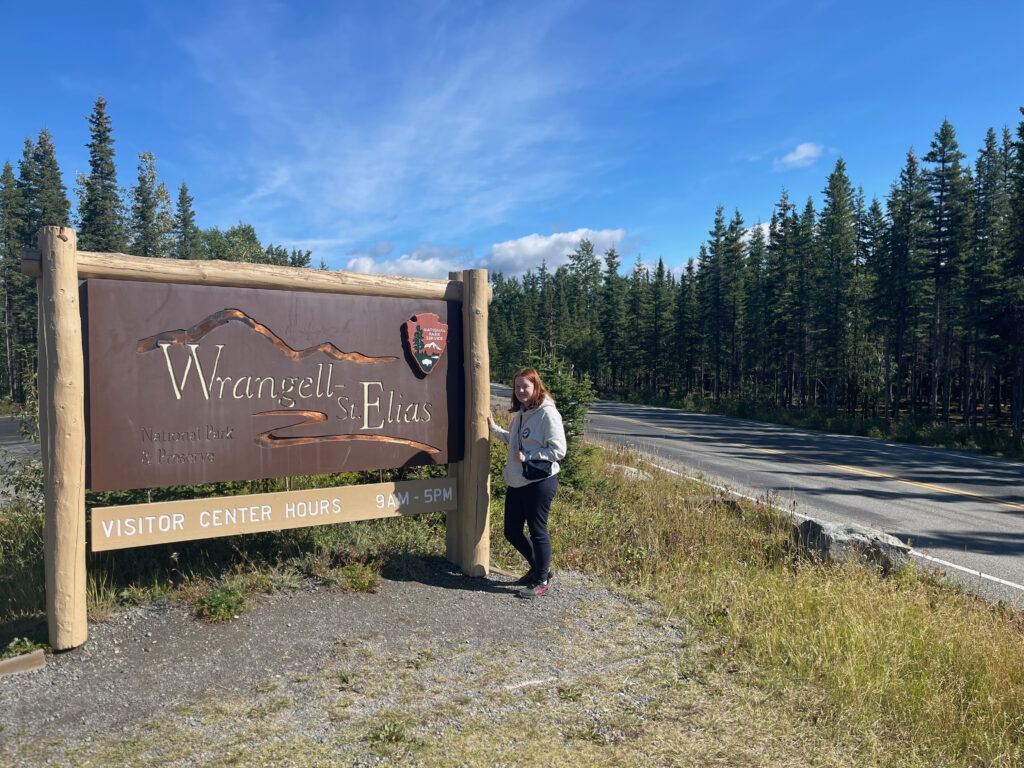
<point x="531" y="505"/>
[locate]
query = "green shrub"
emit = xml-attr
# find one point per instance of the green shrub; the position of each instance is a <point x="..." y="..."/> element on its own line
<point x="573" y="397"/>
<point x="358" y="577"/>
<point x="220" y="603"/>
<point x="21" y="560"/>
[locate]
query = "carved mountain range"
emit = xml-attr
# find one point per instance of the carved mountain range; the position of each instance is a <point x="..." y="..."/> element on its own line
<point x="273" y="439"/>
<point x="225" y="316"/>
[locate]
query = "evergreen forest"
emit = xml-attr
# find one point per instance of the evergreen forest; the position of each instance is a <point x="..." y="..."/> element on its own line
<point x="908" y="309"/>
<point x="142" y="221"/>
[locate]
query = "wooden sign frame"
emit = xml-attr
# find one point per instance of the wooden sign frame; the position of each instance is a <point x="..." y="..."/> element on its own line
<point x="58" y="266"/>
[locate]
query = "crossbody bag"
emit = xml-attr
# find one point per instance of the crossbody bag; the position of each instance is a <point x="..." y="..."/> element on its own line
<point x="533" y="469"/>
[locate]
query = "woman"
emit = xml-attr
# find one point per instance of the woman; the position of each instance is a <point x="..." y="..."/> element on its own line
<point x="535" y="435"/>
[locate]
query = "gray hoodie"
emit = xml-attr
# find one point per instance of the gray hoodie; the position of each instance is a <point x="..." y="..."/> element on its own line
<point x="539" y="434"/>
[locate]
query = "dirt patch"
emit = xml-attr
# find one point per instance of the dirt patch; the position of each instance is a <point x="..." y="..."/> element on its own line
<point x="325" y="667"/>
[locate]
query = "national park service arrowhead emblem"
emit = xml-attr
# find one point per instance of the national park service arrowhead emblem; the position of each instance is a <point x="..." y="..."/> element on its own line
<point x="426" y="336"/>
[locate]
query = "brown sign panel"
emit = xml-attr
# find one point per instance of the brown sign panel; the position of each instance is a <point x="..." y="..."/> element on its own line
<point x="197" y="384"/>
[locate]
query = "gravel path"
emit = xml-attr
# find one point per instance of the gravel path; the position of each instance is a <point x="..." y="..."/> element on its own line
<point x="428" y="630"/>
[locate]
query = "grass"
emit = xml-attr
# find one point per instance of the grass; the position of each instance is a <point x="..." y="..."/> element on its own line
<point x="905" y="661"/>
<point x="784" y="662"/>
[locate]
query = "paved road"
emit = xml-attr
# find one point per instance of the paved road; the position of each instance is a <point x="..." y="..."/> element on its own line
<point x="12" y="444"/>
<point x="962" y="509"/>
<point x="12" y="441"/>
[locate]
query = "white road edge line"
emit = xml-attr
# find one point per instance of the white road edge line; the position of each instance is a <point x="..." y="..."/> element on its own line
<point x="913" y="552"/>
<point x="971" y="571"/>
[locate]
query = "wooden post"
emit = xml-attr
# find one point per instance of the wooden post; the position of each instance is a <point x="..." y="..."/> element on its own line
<point x="475" y="473"/>
<point x="468" y="535"/>
<point x="61" y="382"/>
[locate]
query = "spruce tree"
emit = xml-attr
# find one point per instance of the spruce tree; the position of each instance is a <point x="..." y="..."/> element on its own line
<point x="778" y="282"/>
<point x="505" y="328"/>
<point x="638" y="310"/>
<point x="612" y="318"/>
<point x="732" y="297"/>
<point x="901" y="280"/>
<point x="1013" y="284"/>
<point x="546" y="309"/>
<point x="45" y="203"/>
<point x="872" y="260"/>
<point x="14" y="285"/>
<point x="947" y="225"/>
<point x="28" y="185"/>
<point x="152" y="224"/>
<point x="564" y="327"/>
<point x="982" y="274"/>
<point x="806" y="357"/>
<point x="186" y="234"/>
<point x="583" y="339"/>
<point x="833" y="277"/>
<point x="42" y="190"/>
<point x="659" y="332"/>
<point x="101" y="226"/>
<point x="712" y="305"/>
<point x="864" y="373"/>
<point x="530" y="320"/>
<point x="756" y="322"/>
<point x="687" y="334"/>
<point x="49" y="204"/>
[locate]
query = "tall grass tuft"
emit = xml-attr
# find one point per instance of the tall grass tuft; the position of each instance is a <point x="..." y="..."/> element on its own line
<point x="931" y="674"/>
<point x="21" y="560"/>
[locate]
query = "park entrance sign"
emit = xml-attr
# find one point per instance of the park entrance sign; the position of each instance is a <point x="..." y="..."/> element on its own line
<point x="155" y="372"/>
<point x="195" y="384"/>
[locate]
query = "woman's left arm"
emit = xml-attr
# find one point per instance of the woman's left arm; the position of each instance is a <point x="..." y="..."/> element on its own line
<point x="554" y="444"/>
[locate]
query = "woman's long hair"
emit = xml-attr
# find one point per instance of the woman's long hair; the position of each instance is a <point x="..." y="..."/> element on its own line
<point x="539" y="392"/>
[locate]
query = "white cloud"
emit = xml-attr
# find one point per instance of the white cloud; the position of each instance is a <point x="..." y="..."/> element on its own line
<point x="748" y="233"/>
<point x="423" y="261"/>
<point x="804" y="154"/>
<point x="363" y="264"/>
<point x="514" y="257"/>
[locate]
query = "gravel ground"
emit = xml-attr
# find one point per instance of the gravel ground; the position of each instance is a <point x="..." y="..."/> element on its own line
<point x="424" y="639"/>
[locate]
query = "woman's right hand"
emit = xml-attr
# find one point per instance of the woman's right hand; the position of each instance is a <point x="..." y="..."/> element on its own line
<point x="490" y="420"/>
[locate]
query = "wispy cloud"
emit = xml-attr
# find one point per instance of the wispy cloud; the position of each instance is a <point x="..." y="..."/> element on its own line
<point x="379" y="250"/>
<point x="805" y="154"/>
<point x="515" y="257"/>
<point x="436" y="141"/>
<point x="423" y="261"/>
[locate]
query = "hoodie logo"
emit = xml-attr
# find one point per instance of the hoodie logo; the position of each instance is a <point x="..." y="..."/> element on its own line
<point x="526" y="433"/>
<point x="426" y="337"/>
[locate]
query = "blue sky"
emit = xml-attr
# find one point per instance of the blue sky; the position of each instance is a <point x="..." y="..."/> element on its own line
<point x="417" y="137"/>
